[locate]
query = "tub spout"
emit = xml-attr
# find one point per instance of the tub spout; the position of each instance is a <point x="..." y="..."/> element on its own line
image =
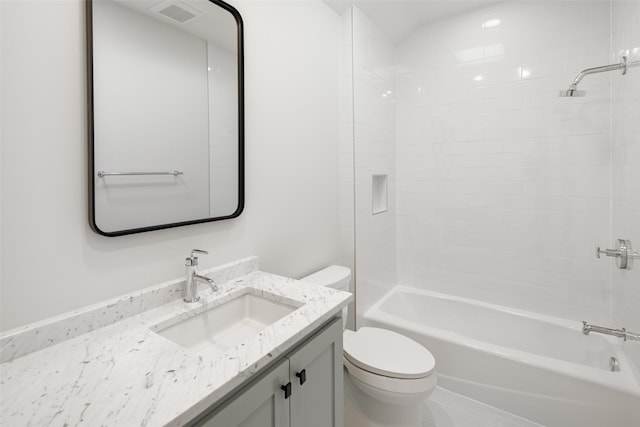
<point x="620" y="333"/>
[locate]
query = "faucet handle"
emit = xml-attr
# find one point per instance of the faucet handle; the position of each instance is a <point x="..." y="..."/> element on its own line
<point x="193" y="260"/>
<point x="624" y="254"/>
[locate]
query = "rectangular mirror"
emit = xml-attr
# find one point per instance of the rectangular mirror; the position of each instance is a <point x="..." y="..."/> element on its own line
<point x="166" y="125"/>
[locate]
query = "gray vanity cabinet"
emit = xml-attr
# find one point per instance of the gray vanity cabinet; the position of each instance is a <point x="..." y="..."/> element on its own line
<point x="261" y="405"/>
<point x="316" y="377"/>
<point x="313" y="372"/>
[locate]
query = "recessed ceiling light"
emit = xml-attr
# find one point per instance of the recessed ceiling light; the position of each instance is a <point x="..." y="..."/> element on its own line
<point x="478" y="78"/>
<point x="491" y="23"/>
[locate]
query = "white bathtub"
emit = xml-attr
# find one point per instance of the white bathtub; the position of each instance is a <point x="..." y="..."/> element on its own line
<point x="535" y="366"/>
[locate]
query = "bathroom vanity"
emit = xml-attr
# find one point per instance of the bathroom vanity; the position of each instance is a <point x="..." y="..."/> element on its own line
<point x="305" y="384"/>
<point x="262" y="347"/>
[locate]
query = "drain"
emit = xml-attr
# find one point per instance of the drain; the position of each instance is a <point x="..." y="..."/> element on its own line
<point x="614" y="365"/>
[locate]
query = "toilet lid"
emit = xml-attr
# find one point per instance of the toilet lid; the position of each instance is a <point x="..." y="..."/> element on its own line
<point x="387" y="353"/>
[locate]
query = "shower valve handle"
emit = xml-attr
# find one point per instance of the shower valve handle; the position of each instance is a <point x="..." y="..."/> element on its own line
<point x="607" y="252"/>
<point x="624" y="254"/>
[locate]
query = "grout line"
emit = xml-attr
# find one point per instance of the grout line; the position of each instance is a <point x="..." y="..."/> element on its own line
<point x="353" y="177"/>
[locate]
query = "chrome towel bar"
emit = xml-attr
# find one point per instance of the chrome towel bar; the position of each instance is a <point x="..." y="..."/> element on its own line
<point x="103" y="173"/>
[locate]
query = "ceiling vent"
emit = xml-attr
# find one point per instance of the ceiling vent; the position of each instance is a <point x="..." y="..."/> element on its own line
<point x="176" y="11"/>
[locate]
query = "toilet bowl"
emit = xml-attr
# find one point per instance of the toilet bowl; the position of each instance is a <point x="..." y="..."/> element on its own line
<point x="387" y="375"/>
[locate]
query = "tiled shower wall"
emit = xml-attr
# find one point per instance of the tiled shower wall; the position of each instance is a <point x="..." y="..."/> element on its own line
<point x="346" y="173"/>
<point x="503" y="188"/>
<point x="626" y="169"/>
<point x="374" y="149"/>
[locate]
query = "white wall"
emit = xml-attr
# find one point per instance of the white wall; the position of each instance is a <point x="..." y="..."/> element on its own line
<point x="626" y="169"/>
<point x="374" y="148"/>
<point x="52" y="262"/>
<point x="503" y="187"/>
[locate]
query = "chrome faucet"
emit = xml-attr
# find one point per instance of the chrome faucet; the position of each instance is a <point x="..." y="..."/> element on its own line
<point x="624" y="254"/>
<point x="190" y="293"/>
<point x="620" y="333"/>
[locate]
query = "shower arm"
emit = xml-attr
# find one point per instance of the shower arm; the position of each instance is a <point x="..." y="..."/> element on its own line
<point x="623" y="65"/>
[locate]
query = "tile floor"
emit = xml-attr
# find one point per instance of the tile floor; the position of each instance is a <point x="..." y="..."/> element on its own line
<point x="447" y="409"/>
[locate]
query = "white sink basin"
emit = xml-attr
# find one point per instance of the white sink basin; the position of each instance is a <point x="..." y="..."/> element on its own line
<point x="225" y="326"/>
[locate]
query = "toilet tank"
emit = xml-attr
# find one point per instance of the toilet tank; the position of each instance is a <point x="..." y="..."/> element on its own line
<point x="334" y="276"/>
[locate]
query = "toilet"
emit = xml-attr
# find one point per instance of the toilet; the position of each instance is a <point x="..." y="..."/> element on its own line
<point x="387" y="375"/>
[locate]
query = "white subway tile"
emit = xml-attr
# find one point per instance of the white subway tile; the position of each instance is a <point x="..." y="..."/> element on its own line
<point x="487" y="152"/>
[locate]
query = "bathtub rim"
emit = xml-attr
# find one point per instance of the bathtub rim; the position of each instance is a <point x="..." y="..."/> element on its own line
<point x="625" y="382"/>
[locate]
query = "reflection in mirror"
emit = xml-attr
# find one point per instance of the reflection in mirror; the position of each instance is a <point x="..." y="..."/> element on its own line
<point x="166" y="146"/>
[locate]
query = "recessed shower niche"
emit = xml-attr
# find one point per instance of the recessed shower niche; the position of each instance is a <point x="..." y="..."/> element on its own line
<point x="380" y="196"/>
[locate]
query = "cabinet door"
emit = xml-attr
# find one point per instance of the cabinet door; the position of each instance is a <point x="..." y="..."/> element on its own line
<point x="261" y="405"/>
<point x="316" y="377"/>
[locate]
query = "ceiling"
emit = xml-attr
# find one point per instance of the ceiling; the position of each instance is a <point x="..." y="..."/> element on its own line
<point x="399" y="18"/>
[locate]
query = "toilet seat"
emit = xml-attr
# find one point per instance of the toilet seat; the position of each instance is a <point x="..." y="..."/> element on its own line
<point x="400" y="387"/>
<point x="387" y="353"/>
<point x="388" y="361"/>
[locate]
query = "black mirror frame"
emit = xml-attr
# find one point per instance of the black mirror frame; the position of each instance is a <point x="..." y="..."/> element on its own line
<point x="90" y="129"/>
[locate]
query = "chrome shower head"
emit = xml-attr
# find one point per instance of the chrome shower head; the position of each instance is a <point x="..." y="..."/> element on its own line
<point x="623" y="65"/>
<point x="571" y="93"/>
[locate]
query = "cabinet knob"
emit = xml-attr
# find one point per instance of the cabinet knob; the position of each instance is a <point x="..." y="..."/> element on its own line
<point x="302" y="375"/>
<point x="287" y="389"/>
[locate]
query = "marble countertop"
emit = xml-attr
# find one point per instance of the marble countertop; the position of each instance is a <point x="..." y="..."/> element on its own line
<point x="123" y="373"/>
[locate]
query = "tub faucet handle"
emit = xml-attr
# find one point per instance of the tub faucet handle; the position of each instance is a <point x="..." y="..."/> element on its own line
<point x="607" y="252"/>
<point x="624" y="254"/>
